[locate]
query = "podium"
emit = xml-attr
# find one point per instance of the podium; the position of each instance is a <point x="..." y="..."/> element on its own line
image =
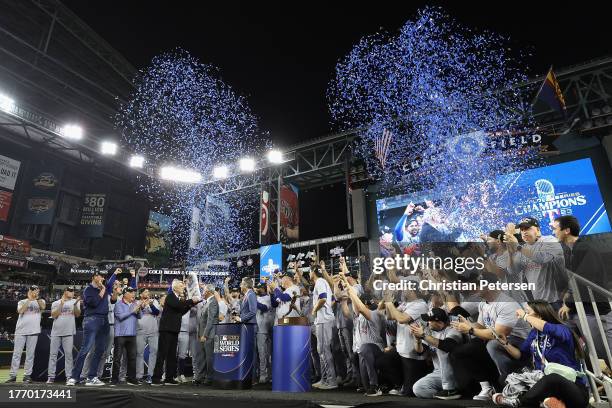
<point x="291" y="355"/>
<point x="233" y="355"/>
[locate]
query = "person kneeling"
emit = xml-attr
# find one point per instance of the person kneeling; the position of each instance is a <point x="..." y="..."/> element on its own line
<point x="439" y="339"/>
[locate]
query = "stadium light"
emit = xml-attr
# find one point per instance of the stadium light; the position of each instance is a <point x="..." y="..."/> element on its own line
<point x="108" y="148"/>
<point x="6" y="104"/>
<point x="72" y="132"/>
<point x="137" y="161"/>
<point x="180" y="175"/>
<point x="247" y="164"/>
<point x="220" y="172"/>
<point x="275" y="156"/>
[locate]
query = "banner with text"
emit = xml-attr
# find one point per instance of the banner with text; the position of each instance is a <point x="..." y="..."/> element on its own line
<point x="92" y="215"/>
<point x="289" y="213"/>
<point x="43" y="185"/>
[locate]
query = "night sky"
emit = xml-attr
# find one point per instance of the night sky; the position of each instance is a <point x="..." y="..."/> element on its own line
<point x="283" y="58"/>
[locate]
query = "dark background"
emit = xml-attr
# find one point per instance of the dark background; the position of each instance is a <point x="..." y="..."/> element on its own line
<point x="283" y="57"/>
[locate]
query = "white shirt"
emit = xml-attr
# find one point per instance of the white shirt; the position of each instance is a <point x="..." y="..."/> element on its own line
<point x="322" y="290"/>
<point x="405" y="340"/>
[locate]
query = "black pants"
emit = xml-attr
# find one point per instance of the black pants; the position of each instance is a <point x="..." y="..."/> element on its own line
<point x="553" y="385"/>
<point x="413" y="371"/>
<point x="389" y="365"/>
<point x="471" y="364"/>
<point x="368" y="353"/>
<point x="166" y="353"/>
<point x="127" y="344"/>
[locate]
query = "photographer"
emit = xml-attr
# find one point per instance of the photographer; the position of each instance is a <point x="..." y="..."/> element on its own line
<point x="26" y="333"/>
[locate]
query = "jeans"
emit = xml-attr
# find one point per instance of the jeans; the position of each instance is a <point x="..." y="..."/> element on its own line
<point x="95" y="333"/>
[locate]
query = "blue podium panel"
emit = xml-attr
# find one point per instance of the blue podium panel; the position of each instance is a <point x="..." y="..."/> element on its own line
<point x="291" y="359"/>
<point x="233" y="360"/>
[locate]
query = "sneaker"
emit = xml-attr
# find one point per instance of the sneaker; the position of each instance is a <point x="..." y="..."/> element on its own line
<point x="317" y="384"/>
<point x="50" y="380"/>
<point x="11" y="380"/>
<point x="133" y="383"/>
<point x="171" y="382"/>
<point x="181" y="378"/>
<point x="447" y="395"/>
<point x="71" y="382"/>
<point x="94" y="382"/>
<point x="27" y="379"/>
<point x="373" y="392"/>
<point x="326" y="386"/>
<point x="485" y="394"/>
<point x="499" y="399"/>
<point x="113" y="383"/>
<point x="553" y="402"/>
<point x="156" y="383"/>
<point x="148" y="380"/>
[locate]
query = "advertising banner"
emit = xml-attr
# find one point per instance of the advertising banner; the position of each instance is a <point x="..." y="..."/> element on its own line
<point x="5" y="204"/>
<point x="9" y="169"/>
<point x="158" y="240"/>
<point x="270" y="260"/>
<point x="92" y="215"/>
<point x="289" y="213"/>
<point x="265" y="229"/>
<point x="43" y="185"/>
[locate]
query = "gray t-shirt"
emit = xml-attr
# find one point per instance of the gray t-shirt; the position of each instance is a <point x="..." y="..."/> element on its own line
<point x="405" y="339"/>
<point x="322" y="290"/>
<point x="368" y="331"/>
<point x="547" y="260"/>
<point x="29" y="321"/>
<point x="64" y="324"/>
<point x="148" y="323"/>
<point x="503" y="311"/>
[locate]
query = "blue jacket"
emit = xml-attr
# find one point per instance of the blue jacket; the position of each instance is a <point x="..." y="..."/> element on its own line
<point x="248" y="309"/>
<point x="126" y="321"/>
<point x="94" y="304"/>
<point x="555" y="342"/>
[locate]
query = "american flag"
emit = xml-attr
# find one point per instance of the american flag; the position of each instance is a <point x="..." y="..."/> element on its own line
<point x="381" y="146"/>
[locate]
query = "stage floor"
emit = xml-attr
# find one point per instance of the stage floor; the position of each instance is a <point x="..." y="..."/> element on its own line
<point x="259" y="397"/>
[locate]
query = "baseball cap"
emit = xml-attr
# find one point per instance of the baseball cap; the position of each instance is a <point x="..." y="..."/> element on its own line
<point x="69" y="288"/>
<point x="528" y="222"/>
<point x="496" y="234"/>
<point x="34" y="287"/>
<point x="128" y="289"/>
<point x="98" y="272"/>
<point x="435" y="315"/>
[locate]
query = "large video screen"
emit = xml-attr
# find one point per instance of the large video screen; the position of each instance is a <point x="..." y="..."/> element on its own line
<point x="544" y="193"/>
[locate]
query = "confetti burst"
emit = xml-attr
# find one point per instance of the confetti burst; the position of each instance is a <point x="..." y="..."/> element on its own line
<point x="440" y="90"/>
<point x="182" y="113"/>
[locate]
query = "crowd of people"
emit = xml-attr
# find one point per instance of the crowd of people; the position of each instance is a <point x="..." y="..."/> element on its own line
<point x="520" y="348"/>
<point x="15" y="291"/>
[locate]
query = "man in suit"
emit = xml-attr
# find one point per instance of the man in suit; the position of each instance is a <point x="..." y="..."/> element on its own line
<point x="206" y="332"/>
<point x="175" y="306"/>
<point x="248" y="308"/>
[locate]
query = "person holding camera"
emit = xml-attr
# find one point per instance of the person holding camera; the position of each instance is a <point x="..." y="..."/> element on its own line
<point x="26" y="333"/>
<point x="63" y="311"/>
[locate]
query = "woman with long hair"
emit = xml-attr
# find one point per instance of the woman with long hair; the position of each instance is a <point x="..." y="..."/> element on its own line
<point x="550" y="341"/>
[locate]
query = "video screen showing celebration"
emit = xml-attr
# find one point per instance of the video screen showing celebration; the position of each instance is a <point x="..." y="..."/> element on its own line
<point x="543" y="193"/>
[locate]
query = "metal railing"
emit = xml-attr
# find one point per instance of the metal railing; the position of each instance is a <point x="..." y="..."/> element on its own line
<point x="596" y="377"/>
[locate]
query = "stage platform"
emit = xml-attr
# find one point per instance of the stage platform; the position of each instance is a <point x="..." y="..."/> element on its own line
<point x="260" y="396"/>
